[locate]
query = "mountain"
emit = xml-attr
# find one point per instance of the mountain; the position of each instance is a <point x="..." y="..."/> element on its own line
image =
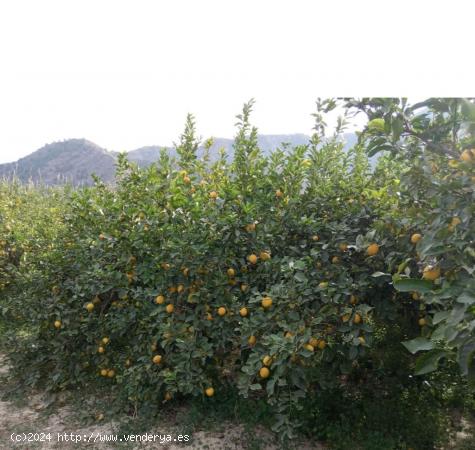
<point x="70" y="161"/>
<point x="75" y="160"/>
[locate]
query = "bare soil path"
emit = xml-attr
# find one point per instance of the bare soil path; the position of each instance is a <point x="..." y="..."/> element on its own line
<point x="46" y="427"/>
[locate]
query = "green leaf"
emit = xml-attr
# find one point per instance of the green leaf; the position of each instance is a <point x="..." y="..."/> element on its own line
<point x="428" y="362"/>
<point x="465" y="355"/>
<point x="412" y="284"/>
<point x="379" y="274"/>
<point x="255" y="387"/>
<point x="440" y="316"/>
<point x="418" y="344"/>
<point x="299" y="276"/>
<point x="270" y="386"/>
<point x="466" y="298"/>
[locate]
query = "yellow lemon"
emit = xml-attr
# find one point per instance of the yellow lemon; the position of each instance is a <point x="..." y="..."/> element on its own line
<point x="209" y="392"/>
<point x="416" y="237"/>
<point x="243" y="312"/>
<point x="313" y="342"/>
<point x="252" y="259"/>
<point x="431" y="273"/>
<point x="372" y="250"/>
<point x="466" y="156"/>
<point x="267" y="360"/>
<point x="264" y="372"/>
<point x="265" y="256"/>
<point x="266" y="302"/>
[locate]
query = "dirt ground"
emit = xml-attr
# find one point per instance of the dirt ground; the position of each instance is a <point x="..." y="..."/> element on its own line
<point x="32" y="419"/>
<point x="28" y="419"/>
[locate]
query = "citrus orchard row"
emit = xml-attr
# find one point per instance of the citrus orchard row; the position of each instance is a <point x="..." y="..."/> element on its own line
<point x="279" y="275"/>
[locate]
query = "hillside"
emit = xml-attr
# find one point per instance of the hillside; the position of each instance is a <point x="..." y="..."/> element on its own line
<point x="71" y="161"/>
<point x="75" y="160"/>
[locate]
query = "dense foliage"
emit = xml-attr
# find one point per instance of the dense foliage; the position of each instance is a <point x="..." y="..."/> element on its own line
<point x="293" y="277"/>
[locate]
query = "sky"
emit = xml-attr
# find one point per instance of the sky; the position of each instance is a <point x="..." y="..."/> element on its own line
<point x="124" y="74"/>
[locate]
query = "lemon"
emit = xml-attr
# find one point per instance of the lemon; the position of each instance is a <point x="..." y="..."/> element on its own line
<point x="250" y="227"/>
<point x="266" y="302"/>
<point x="264" y="372"/>
<point x="265" y="256"/>
<point x="157" y="359"/>
<point x="252" y="259"/>
<point x="467" y="156"/>
<point x="243" y="312"/>
<point x="372" y="250"/>
<point x="221" y="311"/>
<point x="313" y="342"/>
<point x="209" y="392"/>
<point x="415" y="238"/>
<point x="376" y="124"/>
<point x="431" y="273"/>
